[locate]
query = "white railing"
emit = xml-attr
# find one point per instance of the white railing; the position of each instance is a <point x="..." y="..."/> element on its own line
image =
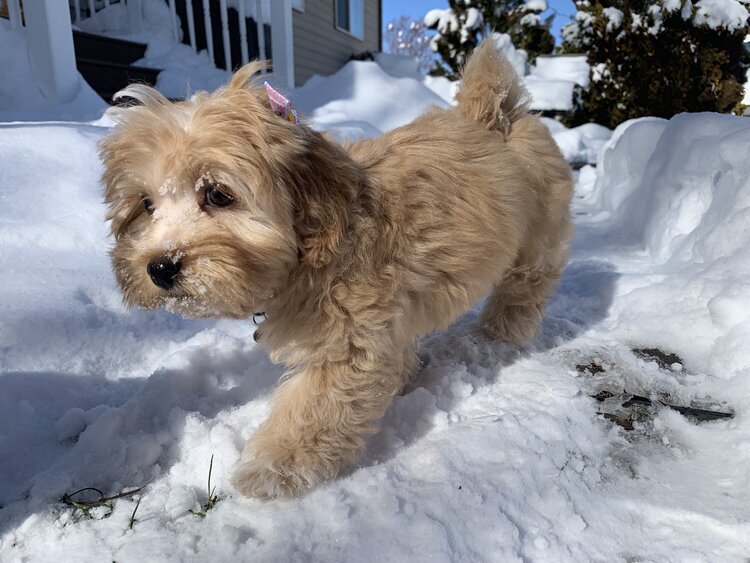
<point x="208" y="27"/>
<point x="91" y="7"/>
<point x="135" y="14"/>
<point x="48" y="27"/>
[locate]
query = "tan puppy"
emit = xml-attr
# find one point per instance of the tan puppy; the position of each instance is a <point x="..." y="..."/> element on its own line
<point x="219" y="207"/>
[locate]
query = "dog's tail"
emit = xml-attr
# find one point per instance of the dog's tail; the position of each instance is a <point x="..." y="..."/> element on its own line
<point x="491" y="92"/>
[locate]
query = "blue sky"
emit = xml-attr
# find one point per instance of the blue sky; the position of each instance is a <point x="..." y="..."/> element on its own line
<point x="418" y="8"/>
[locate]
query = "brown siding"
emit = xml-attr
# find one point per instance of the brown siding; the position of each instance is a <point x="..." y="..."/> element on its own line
<point x="320" y="48"/>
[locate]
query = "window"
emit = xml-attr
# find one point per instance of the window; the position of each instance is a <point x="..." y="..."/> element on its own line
<point x="350" y="15"/>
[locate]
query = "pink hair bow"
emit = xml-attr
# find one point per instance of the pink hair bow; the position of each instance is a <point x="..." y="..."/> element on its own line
<point x="281" y="105"/>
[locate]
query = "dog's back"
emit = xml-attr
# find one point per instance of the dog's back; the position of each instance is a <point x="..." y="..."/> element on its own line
<point x="475" y="197"/>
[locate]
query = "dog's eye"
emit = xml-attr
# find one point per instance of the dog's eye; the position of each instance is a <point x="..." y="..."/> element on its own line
<point x="217" y="198"/>
<point x="148" y="205"/>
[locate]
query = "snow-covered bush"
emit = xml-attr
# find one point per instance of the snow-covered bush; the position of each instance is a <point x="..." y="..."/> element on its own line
<point x="462" y="26"/>
<point x="659" y="58"/>
<point x="403" y="36"/>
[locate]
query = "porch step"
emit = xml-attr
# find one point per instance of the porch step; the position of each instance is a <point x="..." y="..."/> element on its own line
<point x="107" y="78"/>
<point x="103" y="48"/>
<point x="107" y="65"/>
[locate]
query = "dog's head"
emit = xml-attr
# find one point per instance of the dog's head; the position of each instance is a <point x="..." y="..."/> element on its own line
<point x="214" y="201"/>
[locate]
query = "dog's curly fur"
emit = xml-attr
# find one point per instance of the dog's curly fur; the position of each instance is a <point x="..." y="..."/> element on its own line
<point x="353" y="252"/>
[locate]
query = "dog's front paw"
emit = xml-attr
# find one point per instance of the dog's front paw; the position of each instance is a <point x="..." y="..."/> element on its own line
<point x="278" y="473"/>
<point x="253" y="479"/>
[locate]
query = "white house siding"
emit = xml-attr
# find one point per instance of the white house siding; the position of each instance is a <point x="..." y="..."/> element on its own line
<point x="320" y="48"/>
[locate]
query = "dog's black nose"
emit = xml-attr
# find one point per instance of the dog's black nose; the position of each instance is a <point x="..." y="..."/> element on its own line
<point x="163" y="271"/>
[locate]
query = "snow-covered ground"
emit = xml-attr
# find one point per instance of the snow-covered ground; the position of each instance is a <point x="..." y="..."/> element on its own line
<point x="496" y="453"/>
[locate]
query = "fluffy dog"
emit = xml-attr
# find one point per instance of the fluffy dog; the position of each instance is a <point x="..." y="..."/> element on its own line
<point x="219" y="207"/>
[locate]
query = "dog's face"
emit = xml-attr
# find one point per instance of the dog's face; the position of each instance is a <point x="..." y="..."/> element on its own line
<point x="214" y="201"/>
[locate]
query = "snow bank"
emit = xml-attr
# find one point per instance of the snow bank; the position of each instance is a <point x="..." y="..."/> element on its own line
<point x="362" y="100"/>
<point x="679" y="191"/>
<point x="443" y="87"/>
<point x="573" y="68"/>
<point x="401" y="66"/>
<point x="579" y="145"/>
<point x="550" y="95"/>
<point x="20" y="97"/>
<point x="551" y="81"/>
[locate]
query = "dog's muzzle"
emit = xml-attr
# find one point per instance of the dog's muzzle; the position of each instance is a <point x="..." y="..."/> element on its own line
<point x="163" y="271"/>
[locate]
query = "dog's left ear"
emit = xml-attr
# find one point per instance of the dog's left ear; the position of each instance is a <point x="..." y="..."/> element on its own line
<point x="322" y="180"/>
<point x="323" y="184"/>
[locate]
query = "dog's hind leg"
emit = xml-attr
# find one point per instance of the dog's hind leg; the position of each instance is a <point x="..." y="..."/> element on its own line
<point x="411" y="368"/>
<point x="514" y="310"/>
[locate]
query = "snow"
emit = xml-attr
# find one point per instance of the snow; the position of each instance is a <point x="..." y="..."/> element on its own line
<point x="668" y="5"/>
<point x="528" y="20"/>
<point x="351" y="103"/>
<point x="572" y="68"/>
<point x="552" y="80"/>
<point x="445" y="21"/>
<point x="517" y="57"/>
<point x="494" y="453"/>
<point x="579" y="145"/>
<point x="554" y="95"/>
<point x="729" y="14"/>
<point x="398" y="66"/>
<point x="443" y="87"/>
<point x="22" y="100"/>
<point x="614" y="18"/>
<point x="402" y="66"/>
<point x="535" y="5"/>
<point x="699" y="212"/>
<point x="183" y="71"/>
<point x="473" y="18"/>
<point x="732" y="15"/>
<point x="358" y="100"/>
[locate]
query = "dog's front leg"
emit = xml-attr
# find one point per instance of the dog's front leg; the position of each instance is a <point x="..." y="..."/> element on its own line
<point x="316" y="426"/>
